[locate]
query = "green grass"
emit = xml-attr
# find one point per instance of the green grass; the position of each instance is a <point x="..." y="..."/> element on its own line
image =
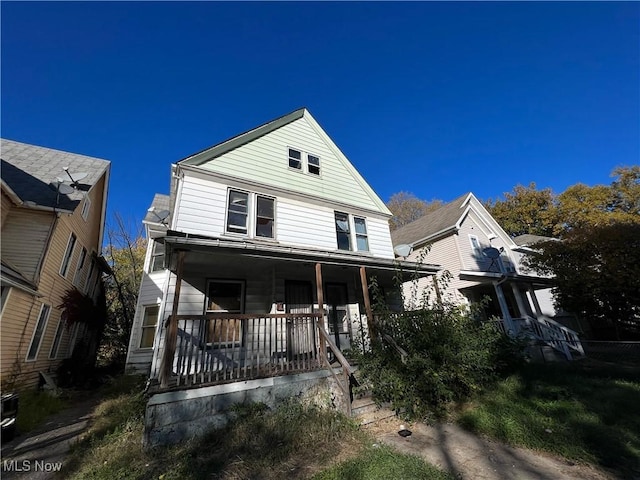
<point x="35" y="406"/>
<point x="293" y="442"/>
<point x="382" y="463"/>
<point x="584" y="411"/>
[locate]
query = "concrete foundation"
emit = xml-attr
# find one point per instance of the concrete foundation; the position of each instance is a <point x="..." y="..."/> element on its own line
<point x="172" y="417"/>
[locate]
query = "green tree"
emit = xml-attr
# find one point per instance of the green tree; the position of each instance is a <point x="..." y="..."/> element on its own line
<point x="597" y="275"/>
<point x="406" y="208"/>
<point x="526" y="210"/>
<point x="125" y="253"/>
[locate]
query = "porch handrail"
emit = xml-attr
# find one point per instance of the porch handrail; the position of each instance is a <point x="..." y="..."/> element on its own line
<point x="346" y="370"/>
<point x="556" y="335"/>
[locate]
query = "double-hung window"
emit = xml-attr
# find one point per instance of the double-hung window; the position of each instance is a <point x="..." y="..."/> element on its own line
<point x="362" y="239"/>
<point x="56" y="340"/>
<point x="157" y="257"/>
<point x="77" y="279"/>
<point x="351" y="230"/>
<point x="295" y="159"/>
<point x="343" y="232"/>
<point x="265" y="216"/>
<point x="38" y="333"/>
<point x="313" y="164"/>
<point x="86" y="206"/>
<point x="67" y="255"/>
<point x="238" y="212"/>
<point x="149" y="322"/>
<point x="250" y="214"/>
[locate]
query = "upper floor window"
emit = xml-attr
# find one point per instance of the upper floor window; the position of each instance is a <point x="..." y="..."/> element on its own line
<point x="67" y="255"/>
<point x="313" y="164"/>
<point x="343" y="232"/>
<point x="4" y="294"/>
<point x="351" y="230"/>
<point x="238" y="212"/>
<point x="265" y="216"/>
<point x="295" y="159"/>
<point x="157" y="257"/>
<point x="85" y="208"/>
<point x="56" y="340"/>
<point x="362" y="239"/>
<point x="475" y="243"/>
<point x="78" y="276"/>
<point x="38" y="332"/>
<point x="250" y="212"/>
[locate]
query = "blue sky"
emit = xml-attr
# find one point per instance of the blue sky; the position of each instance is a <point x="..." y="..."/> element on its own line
<point x="431" y="98"/>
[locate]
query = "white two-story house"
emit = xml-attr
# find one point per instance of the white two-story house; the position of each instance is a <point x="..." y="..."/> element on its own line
<point x="260" y="259"/>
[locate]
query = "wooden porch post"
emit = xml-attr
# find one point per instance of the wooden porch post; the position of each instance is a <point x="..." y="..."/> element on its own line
<point x="508" y="323"/>
<point x="320" y="295"/>
<point x="171" y="336"/>
<point x="367" y="303"/>
<point x="534" y="299"/>
<point x="518" y="294"/>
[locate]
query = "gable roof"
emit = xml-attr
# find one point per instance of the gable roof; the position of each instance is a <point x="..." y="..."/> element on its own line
<point x="440" y="220"/>
<point x="30" y="172"/>
<point x="213" y="158"/>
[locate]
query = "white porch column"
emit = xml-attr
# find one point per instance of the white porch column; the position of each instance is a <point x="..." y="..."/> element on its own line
<point x="534" y="299"/>
<point x="522" y="309"/>
<point x="508" y="323"/>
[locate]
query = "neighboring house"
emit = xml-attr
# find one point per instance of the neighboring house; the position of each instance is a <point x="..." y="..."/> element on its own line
<point x="51" y="241"/>
<point x="266" y="241"/>
<point x="484" y="263"/>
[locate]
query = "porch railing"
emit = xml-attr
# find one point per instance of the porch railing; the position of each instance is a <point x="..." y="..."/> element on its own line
<point x="343" y="379"/>
<point x="554" y="334"/>
<point x="218" y="348"/>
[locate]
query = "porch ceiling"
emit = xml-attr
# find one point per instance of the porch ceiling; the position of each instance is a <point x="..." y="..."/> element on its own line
<point x="278" y="253"/>
<point x="491" y="277"/>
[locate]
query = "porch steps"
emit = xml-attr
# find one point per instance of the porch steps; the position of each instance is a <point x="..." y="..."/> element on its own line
<point x="365" y="410"/>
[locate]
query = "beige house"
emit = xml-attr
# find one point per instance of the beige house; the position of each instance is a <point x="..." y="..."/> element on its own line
<point x="53" y="214"/>
<point x="484" y="263"/>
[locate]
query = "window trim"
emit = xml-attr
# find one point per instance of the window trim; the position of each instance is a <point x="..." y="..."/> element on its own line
<point x="5" y="291"/>
<point x="259" y="196"/>
<point x="247" y="227"/>
<point x="155" y="256"/>
<point x="86" y="207"/>
<point x="309" y="164"/>
<point x="57" y="340"/>
<point x="43" y="316"/>
<point x="475" y="243"/>
<point x="338" y="232"/>
<point x="361" y="235"/>
<point x="80" y="267"/>
<point x="143" y="326"/>
<point x="290" y="158"/>
<point x="68" y="254"/>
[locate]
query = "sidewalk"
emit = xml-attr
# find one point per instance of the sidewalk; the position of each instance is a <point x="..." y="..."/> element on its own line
<point x="474" y="458"/>
<point x="38" y="455"/>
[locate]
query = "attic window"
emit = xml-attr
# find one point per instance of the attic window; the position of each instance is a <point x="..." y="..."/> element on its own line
<point x="313" y="163"/>
<point x="295" y="159"/>
<point x="85" y="208"/>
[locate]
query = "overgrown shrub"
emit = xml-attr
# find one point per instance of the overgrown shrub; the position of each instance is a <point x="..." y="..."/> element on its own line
<point x="425" y="359"/>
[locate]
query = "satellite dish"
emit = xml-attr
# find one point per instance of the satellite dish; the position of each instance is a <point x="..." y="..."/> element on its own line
<point x="65" y="189"/>
<point x="74" y="177"/>
<point x="402" y="250"/>
<point x="160" y="215"/>
<point x="491" y="252"/>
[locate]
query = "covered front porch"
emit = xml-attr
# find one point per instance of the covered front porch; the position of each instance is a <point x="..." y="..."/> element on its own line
<point x="513" y="302"/>
<point x="236" y="311"/>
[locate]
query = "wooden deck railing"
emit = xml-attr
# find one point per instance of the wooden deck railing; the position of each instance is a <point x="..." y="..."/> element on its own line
<point x="217" y="348"/>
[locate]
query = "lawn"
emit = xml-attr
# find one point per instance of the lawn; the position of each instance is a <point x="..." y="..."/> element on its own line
<point x="293" y="442"/>
<point x="585" y="411"/>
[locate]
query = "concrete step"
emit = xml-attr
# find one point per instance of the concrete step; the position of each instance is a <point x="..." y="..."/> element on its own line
<point x="365" y="411"/>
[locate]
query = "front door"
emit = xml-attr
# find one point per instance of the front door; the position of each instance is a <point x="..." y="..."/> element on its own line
<point x="300" y="331"/>
<point x="338" y="314"/>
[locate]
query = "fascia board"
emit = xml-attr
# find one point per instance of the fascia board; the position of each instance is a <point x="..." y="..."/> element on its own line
<point x="361" y="181"/>
<point x="241" y="139"/>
